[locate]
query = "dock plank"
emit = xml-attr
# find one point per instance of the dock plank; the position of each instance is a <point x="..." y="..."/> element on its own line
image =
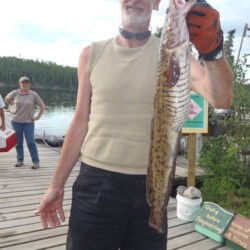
<point x="22" y="188"/>
<point x="206" y="243"/>
<point x="187" y="239"/>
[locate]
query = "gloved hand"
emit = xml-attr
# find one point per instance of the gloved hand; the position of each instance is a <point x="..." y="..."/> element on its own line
<point x="205" y="30"/>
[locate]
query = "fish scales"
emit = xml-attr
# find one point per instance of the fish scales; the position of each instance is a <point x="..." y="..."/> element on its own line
<point x="171" y="108"/>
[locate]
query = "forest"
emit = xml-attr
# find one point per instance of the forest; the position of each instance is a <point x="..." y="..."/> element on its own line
<point x="47" y="75"/>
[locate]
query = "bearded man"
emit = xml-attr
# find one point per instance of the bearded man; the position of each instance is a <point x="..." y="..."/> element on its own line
<point x="110" y="131"/>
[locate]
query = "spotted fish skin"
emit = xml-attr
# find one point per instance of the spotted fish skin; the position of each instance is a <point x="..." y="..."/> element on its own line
<point x="171" y="108"/>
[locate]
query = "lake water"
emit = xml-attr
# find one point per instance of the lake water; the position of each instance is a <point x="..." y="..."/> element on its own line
<point x="55" y="121"/>
<point x="60" y="107"/>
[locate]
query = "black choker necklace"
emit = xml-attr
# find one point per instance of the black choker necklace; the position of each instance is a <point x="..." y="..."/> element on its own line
<point x="138" y="36"/>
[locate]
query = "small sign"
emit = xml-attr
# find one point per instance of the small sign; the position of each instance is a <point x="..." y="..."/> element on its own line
<point x="197" y="121"/>
<point x="238" y="232"/>
<point x="212" y="220"/>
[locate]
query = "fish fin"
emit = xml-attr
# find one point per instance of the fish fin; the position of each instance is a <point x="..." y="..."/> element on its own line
<point x="158" y="219"/>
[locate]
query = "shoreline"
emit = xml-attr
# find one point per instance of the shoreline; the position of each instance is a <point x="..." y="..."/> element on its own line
<point x="51" y="140"/>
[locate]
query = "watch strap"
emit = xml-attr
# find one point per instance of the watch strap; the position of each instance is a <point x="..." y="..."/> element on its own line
<point x="214" y="55"/>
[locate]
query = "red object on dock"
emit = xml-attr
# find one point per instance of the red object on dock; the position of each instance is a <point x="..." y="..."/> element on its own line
<point x="8" y="140"/>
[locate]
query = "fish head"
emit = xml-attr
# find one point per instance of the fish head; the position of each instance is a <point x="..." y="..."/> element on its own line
<point x="183" y="5"/>
<point x="175" y="30"/>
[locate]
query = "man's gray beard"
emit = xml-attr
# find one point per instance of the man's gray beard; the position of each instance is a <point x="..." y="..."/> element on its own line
<point x="135" y="21"/>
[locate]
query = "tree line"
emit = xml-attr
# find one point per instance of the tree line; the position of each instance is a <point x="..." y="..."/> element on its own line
<point x="41" y="74"/>
<point x="52" y="76"/>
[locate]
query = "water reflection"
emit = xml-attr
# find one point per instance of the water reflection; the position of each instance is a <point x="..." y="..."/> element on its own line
<point x="55" y="121"/>
<point x="60" y="107"/>
<point x="57" y="98"/>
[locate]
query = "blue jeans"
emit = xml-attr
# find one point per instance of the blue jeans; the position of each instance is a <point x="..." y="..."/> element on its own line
<point x="28" y="130"/>
<point x="110" y="212"/>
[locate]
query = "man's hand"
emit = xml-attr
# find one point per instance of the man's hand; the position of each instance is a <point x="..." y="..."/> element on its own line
<point x="204" y="28"/>
<point x="50" y="208"/>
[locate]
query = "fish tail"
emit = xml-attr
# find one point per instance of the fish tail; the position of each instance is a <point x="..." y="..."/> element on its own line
<point x="158" y="219"/>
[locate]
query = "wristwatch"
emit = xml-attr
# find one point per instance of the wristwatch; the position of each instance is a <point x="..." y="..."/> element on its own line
<point x="219" y="55"/>
<point x="214" y="56"/>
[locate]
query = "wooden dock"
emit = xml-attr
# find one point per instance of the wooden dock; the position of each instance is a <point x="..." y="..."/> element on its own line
<point x="21" y="191"/>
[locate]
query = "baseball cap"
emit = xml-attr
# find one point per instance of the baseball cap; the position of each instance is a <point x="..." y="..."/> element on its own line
<point x="24" y="78"/>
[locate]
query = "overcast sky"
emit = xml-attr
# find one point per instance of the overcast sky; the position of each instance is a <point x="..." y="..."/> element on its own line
<point x="56" y="30"/>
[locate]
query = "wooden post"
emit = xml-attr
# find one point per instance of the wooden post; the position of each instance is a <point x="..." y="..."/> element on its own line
<point x="191" y="159"/>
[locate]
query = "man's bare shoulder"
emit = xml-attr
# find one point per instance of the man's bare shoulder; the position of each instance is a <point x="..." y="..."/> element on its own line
<point x="98" y="45"/>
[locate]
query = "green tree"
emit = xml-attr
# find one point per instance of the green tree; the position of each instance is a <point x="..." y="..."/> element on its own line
<point x="158" y="32"/>
<point x="42" y="74"/>
<point x="228" y="46"/>
<point x="226" y="158"/>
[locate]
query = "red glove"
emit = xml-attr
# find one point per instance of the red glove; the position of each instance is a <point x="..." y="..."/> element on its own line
<point x="204" y="28"/>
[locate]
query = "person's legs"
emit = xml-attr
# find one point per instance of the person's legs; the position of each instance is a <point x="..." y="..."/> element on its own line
<point x="97" y="220"/>
<point x="29" y="130"/>
<point x="18" y="127"/>
<point x="110" y="211"/>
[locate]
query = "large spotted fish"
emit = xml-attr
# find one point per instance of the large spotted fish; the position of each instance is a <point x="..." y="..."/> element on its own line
<point x="171" y="108"/>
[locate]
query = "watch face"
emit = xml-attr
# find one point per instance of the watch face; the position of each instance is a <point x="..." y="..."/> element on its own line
<point x="219" y="55"/>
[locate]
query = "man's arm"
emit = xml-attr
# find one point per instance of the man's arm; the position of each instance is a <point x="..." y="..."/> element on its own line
<point x="213" y="81"/>
<point x="51" y="203"/>
<point x="79" y="125"/>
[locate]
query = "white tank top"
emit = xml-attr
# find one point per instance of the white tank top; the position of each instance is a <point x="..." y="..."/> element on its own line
<point x="122" y="105"/>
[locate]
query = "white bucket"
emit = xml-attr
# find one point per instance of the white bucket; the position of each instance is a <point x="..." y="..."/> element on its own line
<point x="187" y="207"/>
